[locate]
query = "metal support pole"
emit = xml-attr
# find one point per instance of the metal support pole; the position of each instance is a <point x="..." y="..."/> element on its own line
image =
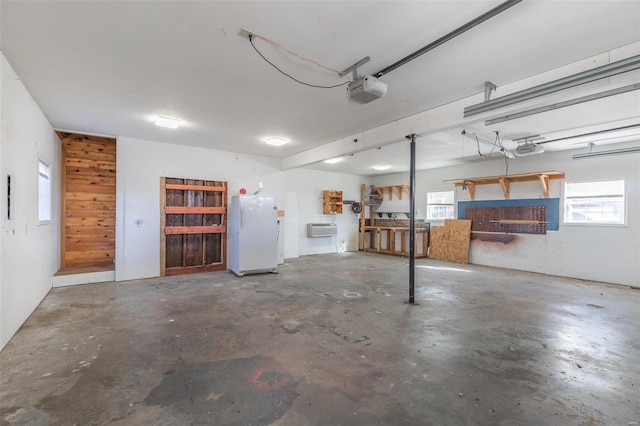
<point x="412" y="220"/>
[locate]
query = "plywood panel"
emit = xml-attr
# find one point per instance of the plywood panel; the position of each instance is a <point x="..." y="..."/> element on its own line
<point x="451" y="241"/>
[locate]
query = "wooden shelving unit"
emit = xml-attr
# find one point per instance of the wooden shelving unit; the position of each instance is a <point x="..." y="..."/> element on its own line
<point x="393" y="189"/>
<point x="504" y="181"/>
<point x="331" y="202"/>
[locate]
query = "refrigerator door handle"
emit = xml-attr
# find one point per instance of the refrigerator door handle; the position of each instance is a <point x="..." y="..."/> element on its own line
<point x="241" y="215"/>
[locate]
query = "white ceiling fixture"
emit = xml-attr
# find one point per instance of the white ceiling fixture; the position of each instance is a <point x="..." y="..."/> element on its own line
<point x="168" y="122"/>
<point x="381" y="167"/>
<point x="333" y="160"/>
<point x="276" y="141"/>
<point x="526" y="146"/>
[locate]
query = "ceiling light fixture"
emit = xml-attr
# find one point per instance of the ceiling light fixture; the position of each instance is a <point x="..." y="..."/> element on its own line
<point x="168" y="122"/>
<point x="333" y="160"/>
<point x="382" y="167"/>
<point x="275" y="141"/>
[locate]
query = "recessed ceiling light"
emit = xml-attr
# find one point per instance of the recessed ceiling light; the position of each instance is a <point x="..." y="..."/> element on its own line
<point x="382" y="167"/>
<point x="168" y="122"/>
<point x="276" y="141"/>
<point x="333" y="160"/>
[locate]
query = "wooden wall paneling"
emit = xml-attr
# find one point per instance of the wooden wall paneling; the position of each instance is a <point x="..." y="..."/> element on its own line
<point x="88" y="201"/>
<point x="212" y="247"/>
<point x="174" y="242"/>
<point x="223" y="197"/>
<point x="163" y="224"/>
<point x="63" y="205"/>
<point x="195" y="228"/>
<point x="193" y="241"/>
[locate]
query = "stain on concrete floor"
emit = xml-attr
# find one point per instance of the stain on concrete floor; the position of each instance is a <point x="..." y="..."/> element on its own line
<point x="233" y="392"/>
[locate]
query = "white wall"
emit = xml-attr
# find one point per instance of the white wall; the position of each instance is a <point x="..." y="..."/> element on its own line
<point x="140" y="164"/>
<point x="600" y="253"/>
<point x="308" y="185"/>
<point x="29" y="252"/>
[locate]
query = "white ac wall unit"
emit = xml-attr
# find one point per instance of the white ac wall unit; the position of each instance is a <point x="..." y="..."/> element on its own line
<point x="321" y="230"/>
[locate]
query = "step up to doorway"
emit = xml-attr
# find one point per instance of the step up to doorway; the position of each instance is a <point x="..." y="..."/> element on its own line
<point x="77" y="275"/>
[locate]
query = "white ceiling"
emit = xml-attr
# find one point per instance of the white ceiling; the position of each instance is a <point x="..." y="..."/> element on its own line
<point x="110" y="68"/>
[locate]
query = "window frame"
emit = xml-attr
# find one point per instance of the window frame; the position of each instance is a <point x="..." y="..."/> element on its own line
<point x="427" y="204"/>
<point x="47" y="164"/>
<point x="624" y="222"/>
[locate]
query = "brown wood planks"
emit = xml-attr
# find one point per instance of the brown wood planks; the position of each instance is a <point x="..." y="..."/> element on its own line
<point x="195" y="210"/>
<point x="194" y="215"/>
<point x="186" y="230"/>
<point x="88" y="201"/>
<point x="451" y="241"/>
<point x="194" y="187"/>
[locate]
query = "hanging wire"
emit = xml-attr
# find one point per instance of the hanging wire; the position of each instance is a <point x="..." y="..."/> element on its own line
<point x="292" y="53"/>
<point x="504" y="152"/>
<point x="478" y="146"/>
<point x="290" y="76"/>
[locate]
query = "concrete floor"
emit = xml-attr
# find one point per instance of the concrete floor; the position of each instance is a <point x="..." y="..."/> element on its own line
<point x="329" y="341"/>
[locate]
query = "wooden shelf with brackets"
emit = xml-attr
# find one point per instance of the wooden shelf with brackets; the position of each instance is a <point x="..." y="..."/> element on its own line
<point x="393" y="189"/>
<point x="505" y="181"/>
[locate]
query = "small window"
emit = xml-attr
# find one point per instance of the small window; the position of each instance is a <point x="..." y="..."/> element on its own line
<point x="44" y="192"/>
<point x="440" y="205"/>
<point x="595" y="203"/>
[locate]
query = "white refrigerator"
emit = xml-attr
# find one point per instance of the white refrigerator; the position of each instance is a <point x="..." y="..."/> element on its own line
<point x="253" y="245"/>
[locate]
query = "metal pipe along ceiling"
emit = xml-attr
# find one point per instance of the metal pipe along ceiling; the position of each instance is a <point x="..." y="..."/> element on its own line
<point x="625" y="65"/>
<point x="453" y="34"/>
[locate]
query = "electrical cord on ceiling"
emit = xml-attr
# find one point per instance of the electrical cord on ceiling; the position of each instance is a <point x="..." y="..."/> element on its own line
<point x="291" y="77"/>
<point x="292" y="53"/>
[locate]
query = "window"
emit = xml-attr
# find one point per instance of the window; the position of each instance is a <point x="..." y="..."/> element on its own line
<point x="44" y="192"/>
<point x="597" y="202"/>
<point x="440" y="205"/>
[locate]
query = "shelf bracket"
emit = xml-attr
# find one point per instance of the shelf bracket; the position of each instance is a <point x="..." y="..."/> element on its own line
<point x="405" y="188"/>
<point x="471" y="187"/>
<point x="398" y="191"/>
<point x="504" y="183"/>
<point x="544" y="181"/>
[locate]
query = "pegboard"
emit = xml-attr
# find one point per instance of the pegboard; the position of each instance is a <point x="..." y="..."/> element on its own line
<point x="486" y="219"/>
<point x="552" y="205"/>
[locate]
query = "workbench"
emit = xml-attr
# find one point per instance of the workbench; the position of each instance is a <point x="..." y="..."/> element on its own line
<point x="388" y="245"/>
